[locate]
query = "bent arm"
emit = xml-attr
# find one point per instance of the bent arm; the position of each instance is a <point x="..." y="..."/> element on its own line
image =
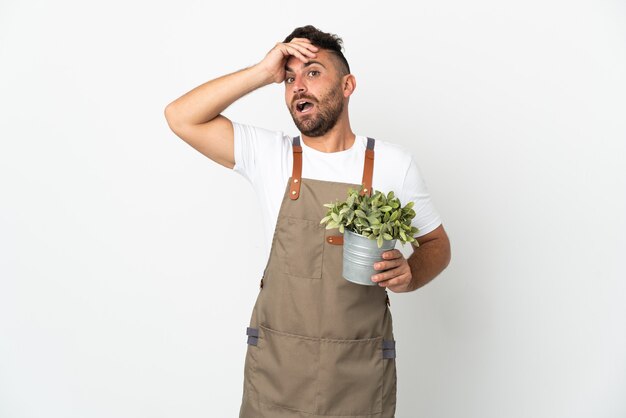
<point x="195" y="117"/>
<point x="430" y="258"/>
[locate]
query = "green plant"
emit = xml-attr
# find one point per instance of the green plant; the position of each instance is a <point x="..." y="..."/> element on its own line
<point x="377" y="217"/>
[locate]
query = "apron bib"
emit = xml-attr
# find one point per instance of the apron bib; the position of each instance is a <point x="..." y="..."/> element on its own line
<point x="318" y="345"/>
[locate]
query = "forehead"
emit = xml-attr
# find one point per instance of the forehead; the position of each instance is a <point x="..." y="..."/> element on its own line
<point x="322" y="56"/>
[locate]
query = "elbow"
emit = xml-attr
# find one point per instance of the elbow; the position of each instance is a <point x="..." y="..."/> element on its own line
<point x="447" y="254"/>
<point x="448" y="259"/>
<point x="171" y="116"/>
<point x="169" y="113"/>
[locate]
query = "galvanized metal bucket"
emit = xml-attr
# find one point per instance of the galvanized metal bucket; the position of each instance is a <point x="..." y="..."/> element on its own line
<point x="359" y="256"/>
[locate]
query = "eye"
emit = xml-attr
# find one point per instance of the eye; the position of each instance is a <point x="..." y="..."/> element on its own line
<point x="314" y="71"/>
<point x="288" y="80"/>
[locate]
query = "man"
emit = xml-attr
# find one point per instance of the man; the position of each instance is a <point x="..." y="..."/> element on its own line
<point x="318" y="345"/>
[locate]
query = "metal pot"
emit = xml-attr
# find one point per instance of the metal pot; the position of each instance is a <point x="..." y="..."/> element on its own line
<point x="359" y="256"/>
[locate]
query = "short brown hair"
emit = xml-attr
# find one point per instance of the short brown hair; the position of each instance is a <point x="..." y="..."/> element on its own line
<point x="323" y="40"/>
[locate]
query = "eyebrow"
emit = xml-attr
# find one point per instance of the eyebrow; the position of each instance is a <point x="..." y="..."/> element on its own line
<point x="306" y="64"/>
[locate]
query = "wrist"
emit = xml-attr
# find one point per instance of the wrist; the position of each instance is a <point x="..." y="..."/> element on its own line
<point x="261" y="74"/>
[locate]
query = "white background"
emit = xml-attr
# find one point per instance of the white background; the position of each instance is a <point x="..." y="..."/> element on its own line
<point x="129" y="262"/>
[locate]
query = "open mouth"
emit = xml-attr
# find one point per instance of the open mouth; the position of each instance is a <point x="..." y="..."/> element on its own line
<point x="304" y="106"/>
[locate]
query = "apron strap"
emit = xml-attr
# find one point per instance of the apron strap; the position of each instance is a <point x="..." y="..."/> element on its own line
<point x="335" y="239"/>
<point x="368" y="168"/>
<point x="253" y="335"/>
<point x="389" y="349"/>
<point x="296" y="175"/>
<point x="389" y="353"/>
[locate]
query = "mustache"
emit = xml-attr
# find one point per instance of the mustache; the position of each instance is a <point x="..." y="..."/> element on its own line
<point x="302" y="97"/>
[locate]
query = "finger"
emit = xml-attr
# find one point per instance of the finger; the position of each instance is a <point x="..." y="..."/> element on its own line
<point x="388" y="274"/>
<point x="391" y="254"/>
<point x="300" y="49"/>
<point x="390" y="261"/>
<point x="389" y="281"/>
<point x="304" y="43"/>
<point x="296" y="53"/>
<point x="307" y="40"/>
<point x="308" y="49"/>
<point x="396" y="269"/>
<point x="385" y="265"/>
<point x="376" y="278"/>
<point x="397" y="281"/>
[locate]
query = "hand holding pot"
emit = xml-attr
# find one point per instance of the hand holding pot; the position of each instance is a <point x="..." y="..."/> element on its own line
<point x="397" y="273"/>
<point x="371" y="225"/>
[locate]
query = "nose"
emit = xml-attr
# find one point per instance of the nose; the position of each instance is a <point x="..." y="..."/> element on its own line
<point x="298" y="86"/>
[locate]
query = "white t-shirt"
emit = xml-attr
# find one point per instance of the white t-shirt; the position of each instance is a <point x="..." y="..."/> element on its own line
<point x="265" y="159"/>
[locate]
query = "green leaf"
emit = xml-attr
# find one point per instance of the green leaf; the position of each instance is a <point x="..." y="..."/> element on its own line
<point x="332" y="225"/>
<point x="380" y="241"/>
<point x="376" y="215"/>
<point x="362" y="222"/>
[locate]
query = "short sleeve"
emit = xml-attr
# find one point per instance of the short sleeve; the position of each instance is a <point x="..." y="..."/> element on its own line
<point x="254" y="147"/>
<point x="414" y="189"/>
<point x="245" y="152"/>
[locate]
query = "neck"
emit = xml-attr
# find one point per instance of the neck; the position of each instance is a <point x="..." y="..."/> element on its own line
<point x="339" y="138"/>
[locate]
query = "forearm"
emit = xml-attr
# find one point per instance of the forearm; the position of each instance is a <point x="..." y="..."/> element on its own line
<point x="208" y="100"/>
<point x="427" y="261"/>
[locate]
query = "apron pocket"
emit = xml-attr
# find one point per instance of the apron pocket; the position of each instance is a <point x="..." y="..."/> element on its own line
<point x="351" y="377"/>
<point x="286" y="369"/>
<point x="302" y="245"/>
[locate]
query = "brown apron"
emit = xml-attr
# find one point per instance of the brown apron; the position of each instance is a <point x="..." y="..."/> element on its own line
<point x="318" y="345"/>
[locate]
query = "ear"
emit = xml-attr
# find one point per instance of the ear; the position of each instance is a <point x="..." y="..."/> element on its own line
<point x="349" y="84"/>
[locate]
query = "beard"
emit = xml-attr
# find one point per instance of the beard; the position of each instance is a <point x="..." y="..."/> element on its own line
<point x="327" y="112"/>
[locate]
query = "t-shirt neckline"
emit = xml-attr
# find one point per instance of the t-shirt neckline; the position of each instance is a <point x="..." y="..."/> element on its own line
<point x="358" y="144"/>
